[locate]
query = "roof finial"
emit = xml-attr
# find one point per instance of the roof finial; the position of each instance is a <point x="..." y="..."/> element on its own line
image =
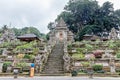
<point x="61" y="23"/>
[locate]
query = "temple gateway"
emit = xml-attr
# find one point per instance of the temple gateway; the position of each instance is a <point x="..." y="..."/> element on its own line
<point x="61" y="33"/>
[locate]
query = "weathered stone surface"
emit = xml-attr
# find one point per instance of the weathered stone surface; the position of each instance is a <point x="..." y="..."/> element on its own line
<point x="1" y="64"/>
<point x="113" y="34"/>
<point x="7" y="36"/>
<point x="60" y="33"/>
<point x="55" y="61"/>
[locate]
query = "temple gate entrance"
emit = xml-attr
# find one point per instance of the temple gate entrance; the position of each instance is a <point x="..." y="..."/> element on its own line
<point x="61" y="36"/>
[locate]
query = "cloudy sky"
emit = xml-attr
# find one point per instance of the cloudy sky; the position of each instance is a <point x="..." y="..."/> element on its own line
<point x="37" y="13"/>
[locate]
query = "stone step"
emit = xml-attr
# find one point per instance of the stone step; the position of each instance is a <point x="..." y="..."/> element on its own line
<point x="52" y="74"/>
<point x="55" y="61"/>
<point x="57" y="68"/>
<point x="52" y="65"/>
<point x="58" y="63"/>
<point x="54" y="70"/>
<point x="49" y="71"/>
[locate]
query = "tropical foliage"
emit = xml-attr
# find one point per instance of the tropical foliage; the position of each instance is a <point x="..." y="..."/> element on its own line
<point x="97" y="67"/>
<point x="88" y="17"/>
<point x="118" y="55"/>
<point x="25" y="30"/>
<point x="78" y="56"/>
<point x="5" y="65"/>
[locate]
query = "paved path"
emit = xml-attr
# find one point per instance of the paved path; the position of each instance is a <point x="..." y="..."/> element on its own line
<point x="59" y="78"/>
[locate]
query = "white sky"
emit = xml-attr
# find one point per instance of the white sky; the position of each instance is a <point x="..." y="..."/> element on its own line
<point x="116" y="3"/>
<point x="37" y="13"/>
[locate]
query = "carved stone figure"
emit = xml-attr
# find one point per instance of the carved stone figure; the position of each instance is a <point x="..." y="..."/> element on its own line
<point x="113" y="34"/>
<point x="107" y="54"/>
<point x="38" y="62"/>
<point x="7" y="36"/>
<point x="4" y="53"/>
<point x="112" y="65"/>
<point x="67" y="62"/>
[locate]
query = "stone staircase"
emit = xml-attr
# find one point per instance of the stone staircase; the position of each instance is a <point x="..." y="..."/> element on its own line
<point x="55" y="62"/>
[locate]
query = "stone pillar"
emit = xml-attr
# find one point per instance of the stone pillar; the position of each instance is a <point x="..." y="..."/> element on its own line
<point x="112" y="65"/>
<point x="66" y="62"/>
<point x="1" y="64"/>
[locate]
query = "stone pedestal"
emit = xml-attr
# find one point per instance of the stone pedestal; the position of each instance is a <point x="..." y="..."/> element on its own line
<point x="1" y="64"/>
<point x="112" y="65"/>
<point x="66" y="62"/>
<point x="112" y="69"/>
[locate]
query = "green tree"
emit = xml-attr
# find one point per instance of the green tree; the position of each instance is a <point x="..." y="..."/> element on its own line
<point x="106" y="18"/>
<point x="117" y="14"/>
<point x="27" y="30"/>
<point x="78" y="14"/>
<point x="86" y="16"/>
<point x="17" y="31"/>
<point x="82" y="11"/>
<point x="51" y="26"/>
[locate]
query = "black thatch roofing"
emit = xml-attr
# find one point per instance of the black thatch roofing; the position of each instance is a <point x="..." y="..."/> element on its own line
<point x="27" y="36"/>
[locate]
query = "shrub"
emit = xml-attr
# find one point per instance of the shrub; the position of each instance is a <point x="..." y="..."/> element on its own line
<point x="111" y="44"/>
<point x="27" y="56"/>
<point x="24" y="46"/>
<point x="88" y="47"/>
<point x="97" y="54"/>
<point x="69" y="46"/>
<point x="118" y="55"/>
<point x="20" y="56"/>
<point x="118" y="70"/>
<point x="97" y="67"/>
<point x="74" y="73"/>
<point x="83" y="71"/>
<point x="1" y="50"/>
<point x="81" y="50"/>
<point x="89" y="57"/>
<point x="78" y="56"/>
<point x="21" y="64"/>
<point x="119" y="74"/>
<point x="5" y="65"/>
<point x="36" y="50"/>
<point x="85" y="64"/>
<point x="101" y="71"/>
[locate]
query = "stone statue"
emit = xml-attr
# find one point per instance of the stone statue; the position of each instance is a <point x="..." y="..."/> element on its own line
<point x="4" y="53"/>
<point x="38" y="62"/>
<point x="113" y="34"/>
<point x="119" y="33"/>
<point x="107" y="54"/>
<point x="112" y="65"/>
<point x="15" y="61"/>
<point x="7" y="36"/>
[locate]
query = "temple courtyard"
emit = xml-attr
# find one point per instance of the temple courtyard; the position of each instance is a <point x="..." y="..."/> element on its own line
<point x="28" y="55"/>
<point x="59" y="78"/>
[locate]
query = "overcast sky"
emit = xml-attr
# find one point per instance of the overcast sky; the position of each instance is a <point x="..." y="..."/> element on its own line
<point x="37" y="13"/>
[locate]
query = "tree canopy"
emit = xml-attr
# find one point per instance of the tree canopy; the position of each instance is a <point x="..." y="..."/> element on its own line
<point x="25" y="30"/>
<point x="87" y="17"/>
